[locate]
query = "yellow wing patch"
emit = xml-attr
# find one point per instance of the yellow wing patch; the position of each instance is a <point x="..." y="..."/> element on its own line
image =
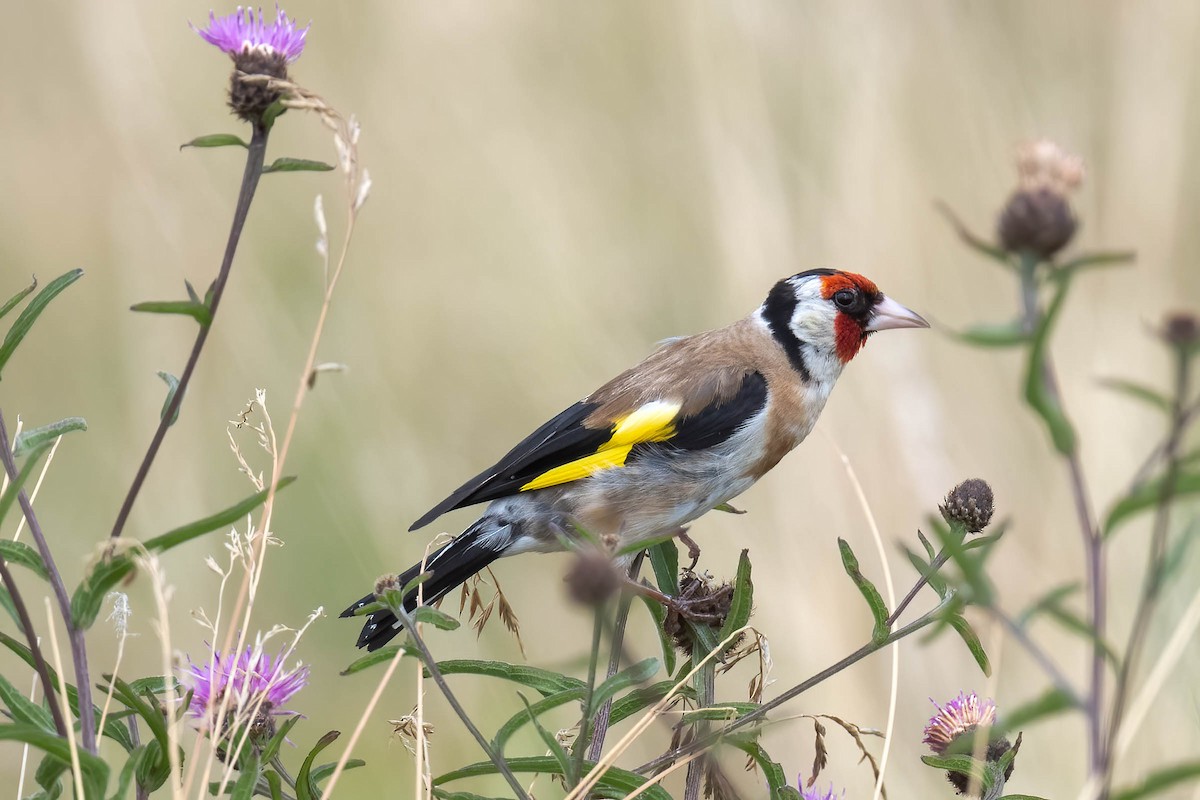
<point x="652" y="422"/>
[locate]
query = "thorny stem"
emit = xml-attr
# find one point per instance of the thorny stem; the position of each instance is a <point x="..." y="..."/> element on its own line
<point x="600" y="729"/>
<point x="255" y="155"/>
<point x="435" y="673"/>
<point x="1155" y="569"/>
<point x="1093" y="544"/>
<point x="87" y="722"/>
<point x="585" y="724"/>
<point x="703" y="743"/>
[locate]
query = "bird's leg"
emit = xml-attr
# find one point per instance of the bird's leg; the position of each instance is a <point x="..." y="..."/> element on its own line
<point x="693" y="548"/>
<point x="686" y="604"/>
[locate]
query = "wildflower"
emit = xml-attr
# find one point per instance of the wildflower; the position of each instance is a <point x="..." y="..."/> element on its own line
<point x="970" y="504"/>
<point x="953" y="730"/>
<point x="816" y="794"/>
<point x="1038" y="218"/>
<point x="257" y="47"/>
<point x="260" y="686"/>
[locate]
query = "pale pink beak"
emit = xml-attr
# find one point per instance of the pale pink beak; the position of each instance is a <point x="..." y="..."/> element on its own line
<point x="888" y="314"/>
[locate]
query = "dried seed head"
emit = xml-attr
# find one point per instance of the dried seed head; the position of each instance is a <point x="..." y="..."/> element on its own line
<point x="969" y="504"/>
<point x="705" y="601"/>
<point x="1038" y="216"/>
<point x="592" y="578"/>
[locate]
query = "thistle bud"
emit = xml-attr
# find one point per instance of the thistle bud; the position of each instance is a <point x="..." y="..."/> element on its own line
<point x="970" y="504"/>
<point x="1181" y="330"/>
<point x="1038" y="218"/>
<point x="592" y="578"/>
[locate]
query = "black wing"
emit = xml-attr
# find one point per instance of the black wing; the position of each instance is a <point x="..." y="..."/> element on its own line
<point x="559" y="441"/>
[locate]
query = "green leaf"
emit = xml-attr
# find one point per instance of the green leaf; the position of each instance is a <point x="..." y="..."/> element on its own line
<point x="1005" y="334"/>
<point x="172" y="387"/>
<point x="36" y="437"/>
<point x="636" y="675"/>
<point x="875" y="600"/>
<point x="247" y="779"/>
<point x="112" y="728"/>
<point x="742" y="602"/>
<point x="926" y="570"/>
<point x="971" y="240"/>
<point x="542" y="681"/>
<point x="1091" y="261"/>
<point x="306" y="788"/>
<point x="188" y="308"/>
<point x="620" y="780"/>
<point x="1161" y="779"/>
<point x="1138" y="391"/>
<point x="26" y="556"/>
<point x="1050" y="599"/>
<point x="1148" y="496"/>
<point x="13" y="301"/>
<point x="777" y="780"/>
<point x="1048" y="704"/>
<point x="646" y="696"/>
<point x="272" y="749"/>
<point x="93" y="768"/>
<point x="23" y="709"/>
<point x="216" y="140"/>
<point x="31" y="312"/>
<point x="964" y="629"/>
<point x="963" y="764"/>
<point x="273" y="112"/>
<point x="720" y="711"/>
<point x="664" y="558"/>
<point x="566" y="767"/>
<point x="1037" y="389"/>
<point x="296" y="165"/>
<point x="89" y="595"/>
<point x="378" y="657"/>
<point x="521" y="718"/>
<point x="435" y="617"/>
<point x="274" y="784"/>
<point x="319" y="774"/>
<point x="14" y="487"/>
<point x="665" y="640"/>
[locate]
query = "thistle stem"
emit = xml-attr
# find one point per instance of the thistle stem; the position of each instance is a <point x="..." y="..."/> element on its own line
<point x="585" y="724"/>
<point x="87" y="722"/>
<point x="704" y="742"/>
<point x="255" y="155"/>
<point x="435" y="673"/>
<point x="596" y="746"/>
<point x="1154" y="570"/>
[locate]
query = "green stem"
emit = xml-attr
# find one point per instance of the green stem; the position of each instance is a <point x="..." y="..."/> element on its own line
<point x="255" y="155"/>
<point x="703" y="743"/>
<point x="439" y="679"/>
<point x="585" y="724"/>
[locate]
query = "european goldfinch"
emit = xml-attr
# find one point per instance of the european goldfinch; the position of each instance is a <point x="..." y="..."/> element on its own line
<point x="689" y="428"/>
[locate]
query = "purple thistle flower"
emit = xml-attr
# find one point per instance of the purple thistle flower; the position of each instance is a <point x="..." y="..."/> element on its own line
<point x="242" y="32"/>
<point x="260" y="685"/>
<point x="815" y="794"/>
<point x="963" y="714"/>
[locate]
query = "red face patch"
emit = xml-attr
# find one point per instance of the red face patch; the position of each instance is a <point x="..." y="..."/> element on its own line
<point x="830" y="284"/>
<point x="849" y="334"/>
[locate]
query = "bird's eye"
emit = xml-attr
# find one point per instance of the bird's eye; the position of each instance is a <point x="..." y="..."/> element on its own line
<point x="845" y="299"/>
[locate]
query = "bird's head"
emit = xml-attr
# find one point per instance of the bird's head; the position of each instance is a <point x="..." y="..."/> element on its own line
<point x="825" y="315"/>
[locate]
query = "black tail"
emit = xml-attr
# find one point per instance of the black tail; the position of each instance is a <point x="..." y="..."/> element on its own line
<point x="451" y="566"/>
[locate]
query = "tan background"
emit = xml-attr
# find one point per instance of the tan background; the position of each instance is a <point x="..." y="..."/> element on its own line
<point x="557" y="187"/>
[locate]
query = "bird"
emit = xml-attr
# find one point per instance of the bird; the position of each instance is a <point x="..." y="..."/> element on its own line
<point x="686" y="430"/>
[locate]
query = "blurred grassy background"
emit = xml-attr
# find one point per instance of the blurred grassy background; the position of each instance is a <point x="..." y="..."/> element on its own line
<point x="557" y="187"/>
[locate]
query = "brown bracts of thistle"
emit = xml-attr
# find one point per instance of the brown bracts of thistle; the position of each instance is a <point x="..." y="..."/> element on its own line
<point x="1038" y="218"/>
